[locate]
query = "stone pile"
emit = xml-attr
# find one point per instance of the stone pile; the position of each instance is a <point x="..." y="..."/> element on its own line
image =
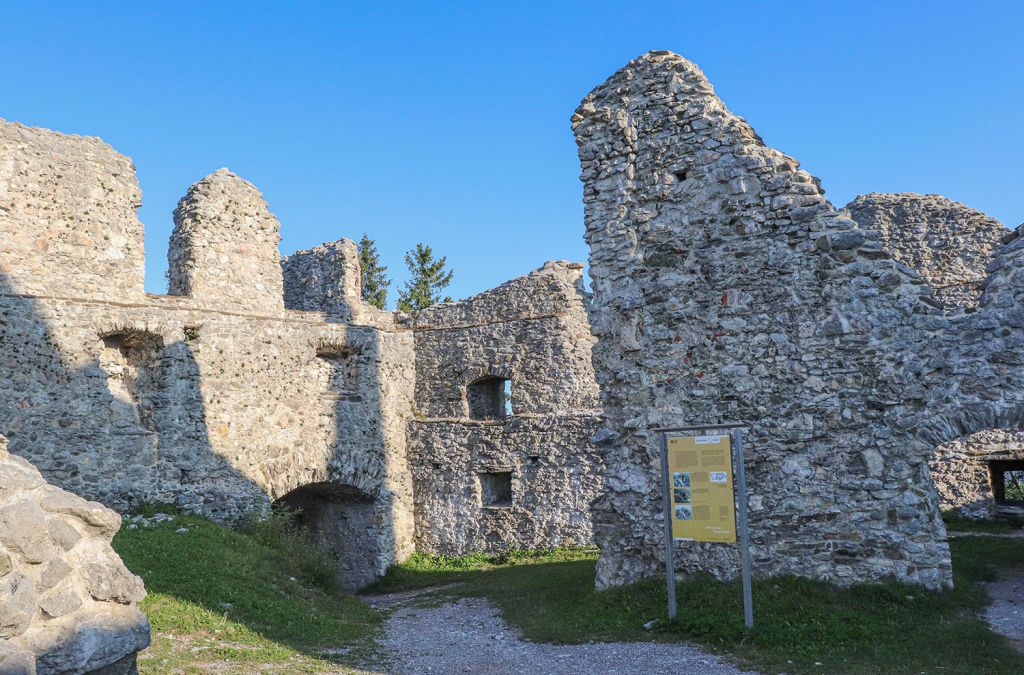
<point x="67" y="602"/>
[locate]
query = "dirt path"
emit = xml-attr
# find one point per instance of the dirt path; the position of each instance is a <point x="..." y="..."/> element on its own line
<point x="1006" y="613"/>
<point x="469" y="636"/>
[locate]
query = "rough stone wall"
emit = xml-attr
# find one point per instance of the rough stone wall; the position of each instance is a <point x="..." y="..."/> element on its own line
<point x="950" y="245"/>
<point x="727" y="288"/>
<point x="961" y="472"/>
<point x="533" y="331"/>
<point x="67" y="602"/>
<point x="947" y="243"/>
<point x="220" y="402"/>
<point x="223" y="250"/>
<point x="325" y="278"/>
<point x="67" y="216"/>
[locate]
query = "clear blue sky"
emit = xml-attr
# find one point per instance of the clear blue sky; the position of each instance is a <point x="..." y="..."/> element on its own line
<point x="448" y="122"/>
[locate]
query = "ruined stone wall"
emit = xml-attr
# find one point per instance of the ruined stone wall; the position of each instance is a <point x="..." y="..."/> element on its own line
<point x="727" y="288"/>
<point x="67" y="216"/>
<point x="950" y="245"/>
<point x="947" y="243"/>
<point x="325" y="278"/>
<point x="533" y="332"/>
<point x="219" y="402"/>
<point x="223" y="252"/>
<point x="67" y="602"/>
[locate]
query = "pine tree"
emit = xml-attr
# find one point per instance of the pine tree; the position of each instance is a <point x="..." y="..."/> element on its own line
<point x="429" y="278"/>
<point x="374" y="280"/>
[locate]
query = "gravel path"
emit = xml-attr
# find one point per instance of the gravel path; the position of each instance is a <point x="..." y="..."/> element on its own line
<point x="469" y="636"/>
<point x="1006" y="613"/>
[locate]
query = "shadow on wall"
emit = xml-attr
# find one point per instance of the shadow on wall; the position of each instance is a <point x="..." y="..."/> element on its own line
<point x="363" y="512"/>
<point x="121" y="420"/>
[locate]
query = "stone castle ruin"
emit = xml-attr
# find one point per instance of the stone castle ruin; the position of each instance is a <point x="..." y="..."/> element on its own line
<point x="727" y="288"/>
<point x="876" y="355"/>
<point x="256" y="380"/>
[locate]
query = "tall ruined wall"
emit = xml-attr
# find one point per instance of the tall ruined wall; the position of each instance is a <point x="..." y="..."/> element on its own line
<point x="220" y="402"/>
<point x="67" y="602"/>
<point x="67" y="216"/>
<point x="950" y="245"/>
<point x="325" y="278"/>
<point x="947" y="243"/>
<point x="223" y="251"/>
<point x="532" y="332"/>
<point x="727" y="288"/>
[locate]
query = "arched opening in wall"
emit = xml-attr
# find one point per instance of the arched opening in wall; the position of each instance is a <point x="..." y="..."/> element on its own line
<point x="981" y="475"/>
<point x="131" y="359"/>
<point x="345" y="521"/>
<point x="490" y="398"/>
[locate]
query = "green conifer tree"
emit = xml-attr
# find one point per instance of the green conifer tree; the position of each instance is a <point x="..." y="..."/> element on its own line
<point x="429" y="278"/>
<point x="374" y="279"/>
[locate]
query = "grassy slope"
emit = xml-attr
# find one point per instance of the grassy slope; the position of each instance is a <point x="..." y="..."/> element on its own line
<point x="279" y="621"/>
<point x="218" y="598"/>
<point x="799" y="624"/>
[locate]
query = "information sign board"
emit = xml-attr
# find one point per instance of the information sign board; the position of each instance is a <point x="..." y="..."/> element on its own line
<point x="701" y="483"/>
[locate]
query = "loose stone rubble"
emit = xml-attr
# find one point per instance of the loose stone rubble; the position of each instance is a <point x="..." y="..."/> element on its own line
<point x="727" y="288"/>
<point x="260" y="380"/>
<point x="67" y="603"/>
<point x="950" y="245"/>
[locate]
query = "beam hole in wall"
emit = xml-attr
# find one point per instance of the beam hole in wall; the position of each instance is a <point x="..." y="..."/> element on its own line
<point x="496" y="489"/>
<point x="680" y="176"/>
<point x="490" y="398"/>
<point x="131" y="360"/>
<point x="340" y="369"/>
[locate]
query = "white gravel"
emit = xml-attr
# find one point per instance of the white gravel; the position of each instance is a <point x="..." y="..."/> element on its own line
<point x="469" y="636"/>
<point x="1006" y="613"/>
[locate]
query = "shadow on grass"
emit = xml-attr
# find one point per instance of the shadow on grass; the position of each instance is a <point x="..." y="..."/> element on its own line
<point x="213" y="581"/>
<point x="800" y="625"/>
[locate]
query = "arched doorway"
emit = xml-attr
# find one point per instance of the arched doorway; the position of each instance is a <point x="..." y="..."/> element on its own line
<point x="344" y="520"/>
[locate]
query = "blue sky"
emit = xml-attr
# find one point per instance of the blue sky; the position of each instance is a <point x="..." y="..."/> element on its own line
<point x="448" y="123"/>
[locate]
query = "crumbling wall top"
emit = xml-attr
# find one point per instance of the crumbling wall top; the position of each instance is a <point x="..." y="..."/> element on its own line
<point x="552" y="290"/>
<point x="68" y="224"/>
<point x="949" y="244"/>
<point x="223" y="251"/>
<point x="324" y="278"/>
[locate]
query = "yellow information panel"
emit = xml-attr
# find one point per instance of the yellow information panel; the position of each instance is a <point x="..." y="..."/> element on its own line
<point x="700" y="479"/>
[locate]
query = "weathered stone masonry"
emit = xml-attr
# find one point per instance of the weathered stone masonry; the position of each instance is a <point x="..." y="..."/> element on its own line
<point x="950" y="245"/>
<point x="727" y="288"/>
<point x="219" y="401"/>
<point x="536" y="454"/>
<point x="259" y="379"/>
<point x="67" y="602"/>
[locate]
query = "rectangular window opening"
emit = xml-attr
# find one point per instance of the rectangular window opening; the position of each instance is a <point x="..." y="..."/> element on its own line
<point x="1007" y="481"/>
<point x="489" y="398"/>
<point x="496" y="489"/>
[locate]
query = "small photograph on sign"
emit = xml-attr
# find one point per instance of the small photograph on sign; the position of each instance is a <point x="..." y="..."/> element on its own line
<point x="681" y="479"/>
<point x="718" y="477"/>
<point x="681" y="495"/>
<point x="684" y="513"/>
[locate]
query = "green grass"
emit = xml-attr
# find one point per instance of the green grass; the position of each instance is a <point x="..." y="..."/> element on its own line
<point x="801" y="626"/>
<point x="222" y="600"/>
<point x="258" y="601"/>
<point x="987" y="525"/>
